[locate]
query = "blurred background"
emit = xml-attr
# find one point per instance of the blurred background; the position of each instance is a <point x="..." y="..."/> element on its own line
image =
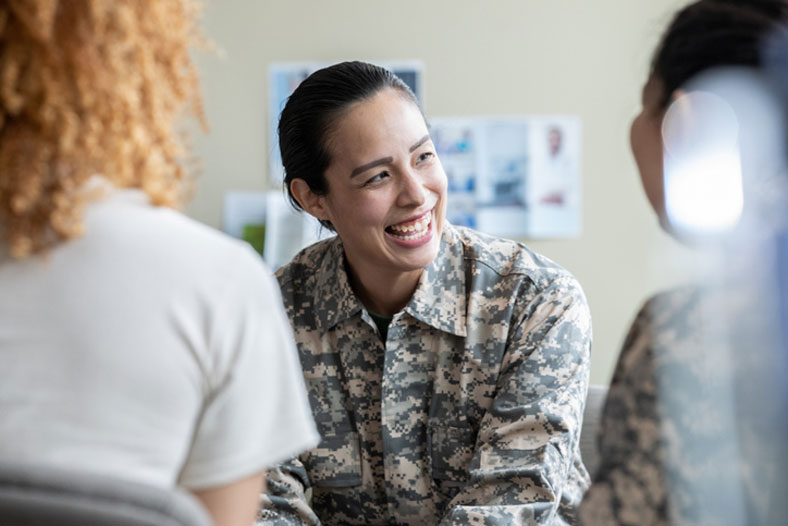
<point x="508" y="57"/>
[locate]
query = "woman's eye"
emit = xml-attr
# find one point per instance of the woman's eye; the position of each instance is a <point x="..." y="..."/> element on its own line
<point x="376" y="178"/>
<point x="425" y="156"/>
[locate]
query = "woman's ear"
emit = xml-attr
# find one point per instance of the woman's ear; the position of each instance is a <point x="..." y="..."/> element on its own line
<point x="677" y="93"/>
<point x="313" y="203"/>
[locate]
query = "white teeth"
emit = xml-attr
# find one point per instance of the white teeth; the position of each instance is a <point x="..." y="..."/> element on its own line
<point x="418" y="229"/>
<point x="409" y="238"/>
<point x="414" y="227"/>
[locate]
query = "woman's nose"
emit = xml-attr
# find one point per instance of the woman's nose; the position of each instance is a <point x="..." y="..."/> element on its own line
<point x="412" y="191"/>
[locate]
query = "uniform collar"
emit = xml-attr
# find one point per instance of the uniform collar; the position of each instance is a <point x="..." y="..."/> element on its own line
<point x="334" y="298"/>
<point x="439" y="299"/>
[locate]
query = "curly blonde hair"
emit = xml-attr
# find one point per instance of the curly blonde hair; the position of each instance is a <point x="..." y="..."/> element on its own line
<point x="90" y="87"/>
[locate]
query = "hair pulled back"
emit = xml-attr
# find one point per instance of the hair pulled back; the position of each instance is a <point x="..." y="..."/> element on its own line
<point x="718" y="33"/>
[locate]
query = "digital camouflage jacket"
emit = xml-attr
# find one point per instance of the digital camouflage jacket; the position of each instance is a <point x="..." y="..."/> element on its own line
<point x="692" y="432"/>
<point x="469" y="413"/>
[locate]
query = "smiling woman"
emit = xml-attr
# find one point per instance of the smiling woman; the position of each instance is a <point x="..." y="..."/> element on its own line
<point x="391" y="210"/>
<point x="446" y="369"/>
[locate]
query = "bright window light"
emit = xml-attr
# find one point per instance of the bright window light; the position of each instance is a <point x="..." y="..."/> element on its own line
<point x="703" y="194"/>
<point x="702" y="164"/>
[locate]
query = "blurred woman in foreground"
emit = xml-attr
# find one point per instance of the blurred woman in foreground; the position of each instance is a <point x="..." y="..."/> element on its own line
<point x="134" y="342"/>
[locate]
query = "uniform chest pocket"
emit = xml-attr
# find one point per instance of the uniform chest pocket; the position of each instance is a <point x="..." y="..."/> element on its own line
<point x="335" y="462"/>
<point x="451" y="450"/>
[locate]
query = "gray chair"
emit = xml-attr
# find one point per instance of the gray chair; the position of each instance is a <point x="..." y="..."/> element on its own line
<point x="38" y="495"/>
<point x="595" y="402"/>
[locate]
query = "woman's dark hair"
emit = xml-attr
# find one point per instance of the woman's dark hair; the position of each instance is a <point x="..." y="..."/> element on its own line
<point x="712" y="33"/>
<point x="313" y="110"/>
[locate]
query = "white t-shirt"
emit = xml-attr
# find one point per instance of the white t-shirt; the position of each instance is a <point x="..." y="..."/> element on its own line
<point x="153" y="348"/>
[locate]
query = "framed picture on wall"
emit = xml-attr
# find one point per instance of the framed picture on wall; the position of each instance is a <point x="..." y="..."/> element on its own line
<point x="512" y="176"/>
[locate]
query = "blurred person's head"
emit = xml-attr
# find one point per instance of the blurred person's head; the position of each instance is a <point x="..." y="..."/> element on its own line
<point x="89" y="88"/>
<point x="704" y="36"/>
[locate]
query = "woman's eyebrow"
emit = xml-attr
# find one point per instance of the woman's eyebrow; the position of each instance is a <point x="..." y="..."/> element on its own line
<point x="419" y="143"/>
<point x="385" y="160"/>
<point x="364" y="167"/>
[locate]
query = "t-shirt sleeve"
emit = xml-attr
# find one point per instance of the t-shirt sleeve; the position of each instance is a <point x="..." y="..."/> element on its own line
<point x="257" y="412"/>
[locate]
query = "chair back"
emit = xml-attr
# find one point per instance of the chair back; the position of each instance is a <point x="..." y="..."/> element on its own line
<point x="44" y="496"/>
<point x="595" y="402"/>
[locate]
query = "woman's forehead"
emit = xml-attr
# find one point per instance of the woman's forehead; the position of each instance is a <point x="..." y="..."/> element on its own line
<point x="383" y="120"/>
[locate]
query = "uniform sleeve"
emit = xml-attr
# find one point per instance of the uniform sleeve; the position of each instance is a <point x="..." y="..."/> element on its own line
<point x="628" y="487"/>
<point x="285" y="502"/>
<point x="257" y="412"/>
<point x="526" y="445"/>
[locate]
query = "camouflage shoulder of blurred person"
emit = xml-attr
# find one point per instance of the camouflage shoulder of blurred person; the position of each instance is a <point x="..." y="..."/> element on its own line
<point x="673" y="433"/>
<point x="628" y="487"/>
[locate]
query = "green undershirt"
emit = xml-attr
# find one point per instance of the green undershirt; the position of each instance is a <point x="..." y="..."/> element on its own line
<point x="382" y="322"/>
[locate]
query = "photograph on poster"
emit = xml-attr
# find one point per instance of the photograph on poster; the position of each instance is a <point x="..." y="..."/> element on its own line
<point x="515" y="177"/>
<point x="284" y="78"/>
<point x="554" y="194"/>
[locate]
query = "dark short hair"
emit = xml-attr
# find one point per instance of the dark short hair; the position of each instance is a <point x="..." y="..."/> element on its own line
<point x="716" y="33"/>
<point x="312" y="112"/>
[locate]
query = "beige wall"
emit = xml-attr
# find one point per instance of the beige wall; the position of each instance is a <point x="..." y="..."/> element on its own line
<point x="481" y="58"/>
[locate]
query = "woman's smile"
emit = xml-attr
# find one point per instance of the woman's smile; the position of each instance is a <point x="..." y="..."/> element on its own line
<point x="412" y="232"/>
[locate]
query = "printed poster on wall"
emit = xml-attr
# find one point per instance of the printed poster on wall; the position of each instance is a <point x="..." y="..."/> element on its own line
<point x="284" y="78"/>
<point x="515" y="177"/>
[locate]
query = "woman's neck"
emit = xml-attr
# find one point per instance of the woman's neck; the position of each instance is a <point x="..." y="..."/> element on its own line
<point x="383" y="292"/>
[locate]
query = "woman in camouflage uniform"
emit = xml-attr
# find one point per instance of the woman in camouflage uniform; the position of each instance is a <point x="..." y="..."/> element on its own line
<point x="689" y="434"/>
<point x="447" y="370"/>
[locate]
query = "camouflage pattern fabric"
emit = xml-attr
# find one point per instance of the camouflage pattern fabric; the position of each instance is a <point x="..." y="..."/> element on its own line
<point x="688" y="434"/>
<point x="470" y="411"/>
<point x="629" y="486"/>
